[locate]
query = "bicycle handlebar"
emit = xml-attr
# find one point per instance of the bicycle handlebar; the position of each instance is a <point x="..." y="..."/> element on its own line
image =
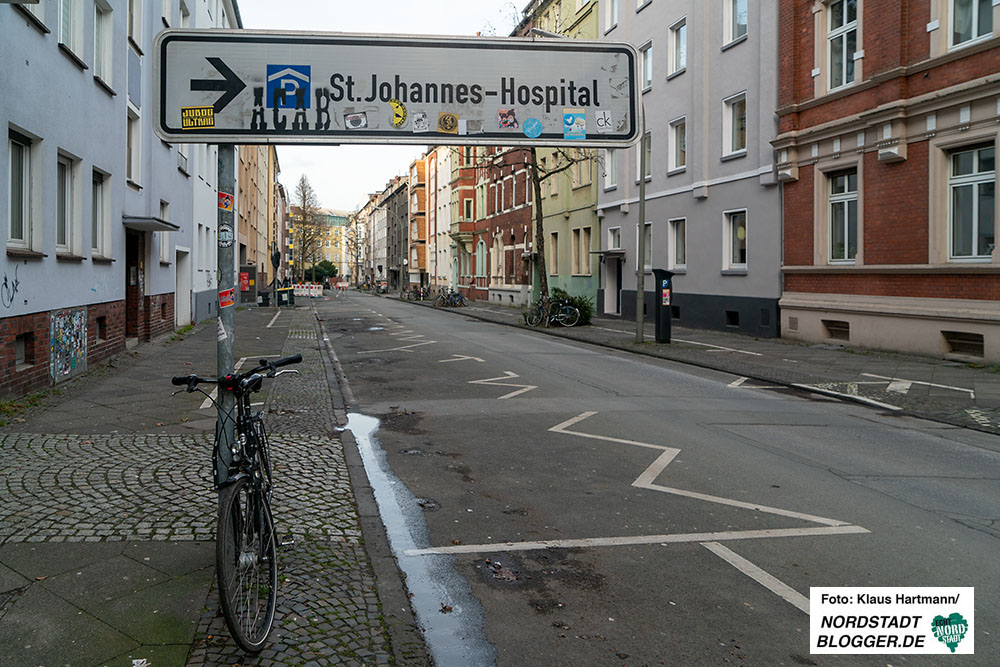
<point x="193" y="380"/>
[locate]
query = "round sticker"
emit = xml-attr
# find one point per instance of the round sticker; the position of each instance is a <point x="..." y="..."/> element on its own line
<point x="398" y="112"/>
<point x="532" y="128"/>
<point x="225" y="236"/>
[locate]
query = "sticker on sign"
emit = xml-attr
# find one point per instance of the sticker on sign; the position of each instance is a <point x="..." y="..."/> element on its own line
<point x="222" y="86"/>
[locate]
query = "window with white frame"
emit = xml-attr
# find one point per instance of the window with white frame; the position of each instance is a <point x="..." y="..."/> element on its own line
<point x="644" y="148"/>
<point x="678" y="47"/>
<point x="735" y="20"/>
<point x="646" y="65"/>
<point x="611" y="16"/>
<point x="19" y="191"/>
<point x="132" y="142"/>
<point x="843" y="214"/>
<point x="735" y="124"/>
<point x="102" y="41"/>
<point x="970" y="20"/>
<point x="65" y="211"/>
<point x="553" y="253"/>
<point x="610" y="168"/>
<point x="581" y="251"/>
<point x="678" y="243"/>
<point x="70" y="24"/>
<point x="842" y="41"/>
<point x="481" y="259"/>
<point x="972" y="196"/>
<point x="647" y="251"/>
<point x="98" y="214"/>
<point x="615" y="238"/>
<point x="736" y="239"/>
<point x="678" y="144"/>
<point x="135" y="21"/>
<point x="164" y="236"/>
<point x="165" y="12"/>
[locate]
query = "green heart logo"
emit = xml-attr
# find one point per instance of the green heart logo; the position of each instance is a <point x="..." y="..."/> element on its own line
<point x="950" y="630"/>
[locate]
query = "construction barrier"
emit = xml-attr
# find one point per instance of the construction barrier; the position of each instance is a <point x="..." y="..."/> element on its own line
<point x="309" y="289"/>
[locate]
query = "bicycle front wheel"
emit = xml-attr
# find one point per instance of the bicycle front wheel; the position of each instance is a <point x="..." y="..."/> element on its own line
<point x="534" y="316"/>
<point x="246" y="564"/>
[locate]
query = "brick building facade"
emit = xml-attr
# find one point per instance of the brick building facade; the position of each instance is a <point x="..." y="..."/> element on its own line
<point x="888" y="125"/>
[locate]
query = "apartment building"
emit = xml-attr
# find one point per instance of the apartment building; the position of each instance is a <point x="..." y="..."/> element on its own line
<point x="440" y="246"/>
<point x="416" y="263"/>
<point x="887" y="150"/>
<point x="713" y="206"/>
<point x="101" y="248"/>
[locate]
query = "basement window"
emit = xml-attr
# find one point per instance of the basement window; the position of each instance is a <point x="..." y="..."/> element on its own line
<point x="837" y="329"/>
<point x="24" y="351"/>
<point x="102" y="328"/>
<point x="964" y="343"/>
<point x="732" y="318"/>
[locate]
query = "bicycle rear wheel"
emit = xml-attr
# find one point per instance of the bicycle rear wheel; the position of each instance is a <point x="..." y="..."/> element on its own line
<point x="246" y="564"/>
<point x="534" y="316"/>
<point x="570" y="316"/>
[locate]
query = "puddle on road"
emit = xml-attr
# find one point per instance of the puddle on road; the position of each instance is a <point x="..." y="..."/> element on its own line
<point x="454" y="638"/>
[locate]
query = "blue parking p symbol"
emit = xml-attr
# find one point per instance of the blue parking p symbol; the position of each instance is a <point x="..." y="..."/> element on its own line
<point x="284" y="83"/>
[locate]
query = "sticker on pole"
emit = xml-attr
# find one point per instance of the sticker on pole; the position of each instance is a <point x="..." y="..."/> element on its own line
<point x="859" y="620"/>
<point x="226" y="236"/>
<point x="226" y="201"/>
<point x="227" y="298"/>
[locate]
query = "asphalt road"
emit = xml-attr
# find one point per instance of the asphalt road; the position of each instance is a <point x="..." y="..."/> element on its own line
<point x="684" y="520"/>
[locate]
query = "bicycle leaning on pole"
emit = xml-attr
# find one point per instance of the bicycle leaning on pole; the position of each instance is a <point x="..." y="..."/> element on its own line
<point x="557" y="311"/>
<point x="246" y="564"/>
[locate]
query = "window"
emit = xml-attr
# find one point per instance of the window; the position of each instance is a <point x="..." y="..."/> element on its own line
<point x="69" y="23"/>
<point x="164" y="238"/>
<point x="610" y="168"/>
<point x="678" y="47"/>
<point x="132" y="139"/>
<point x="581" y="251"/>
<point x="972" y="185"/>
<point x="102" y="41"/>
<point x="645" y="148"/>
<point x="581" y="168"/>
<point x="843" y="216"/>
<point x="553" y="253"/>
<point x="970" y="20"/>
<point x="135" y="21"/>
<point x="735" y="124"/>
<point x="647" y="251"/>
<point x="98" y="217"/>
<point x="842" y="38"/>
<point x="64" y="204"/>
<point x="614" y="238"/>
<point x="736" y="20"/>
<point x="678" y="239"/>
<point x="611" y="18"/>
<point x="468" y="209"/>
<point x="646" y="66"/>
<point x="736" y="235"/>
<point x="678" y="140"/>
<point x="165" y="12"/>
<point x="19" y="191"/>
<point x="481" y="259"/>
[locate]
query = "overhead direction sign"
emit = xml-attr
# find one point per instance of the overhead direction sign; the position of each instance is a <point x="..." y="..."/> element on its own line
<point x="227" y="86"/>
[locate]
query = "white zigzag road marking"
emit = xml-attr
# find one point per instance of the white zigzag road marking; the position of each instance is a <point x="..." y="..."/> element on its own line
<point x="508" y="375"/>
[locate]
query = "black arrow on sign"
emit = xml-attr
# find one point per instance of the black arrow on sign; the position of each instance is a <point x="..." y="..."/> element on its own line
<point x="232" y="84"/>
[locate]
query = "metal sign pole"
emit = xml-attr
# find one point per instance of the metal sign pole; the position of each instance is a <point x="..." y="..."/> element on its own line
<point x="640" y="262"/>
<point x="224" y="426"/>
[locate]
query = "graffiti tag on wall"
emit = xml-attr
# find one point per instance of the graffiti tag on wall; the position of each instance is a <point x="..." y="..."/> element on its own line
<point x="8" y="290"/>
<point x="67" y="343"/>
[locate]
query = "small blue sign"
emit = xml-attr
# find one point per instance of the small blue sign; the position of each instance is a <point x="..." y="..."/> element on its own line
<point x="574" y="124"/>
<point x="293" y="80"/>
<point x="532" y="128"/>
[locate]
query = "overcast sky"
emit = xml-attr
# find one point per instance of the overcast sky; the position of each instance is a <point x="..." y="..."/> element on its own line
<point x="343" y="176"/>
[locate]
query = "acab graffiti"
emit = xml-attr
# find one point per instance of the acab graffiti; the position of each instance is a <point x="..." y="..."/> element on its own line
<point x="67" y="343"/>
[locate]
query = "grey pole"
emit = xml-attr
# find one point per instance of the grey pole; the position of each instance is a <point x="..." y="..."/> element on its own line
<point x="640" y="261"/>
<point x="224" y="425"/>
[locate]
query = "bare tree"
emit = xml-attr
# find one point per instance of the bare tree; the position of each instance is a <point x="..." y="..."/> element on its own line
<point x="356" y="241"/>
<point x="307" y="228"/>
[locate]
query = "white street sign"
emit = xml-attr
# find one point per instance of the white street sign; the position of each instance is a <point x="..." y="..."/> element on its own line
<point x="225" y="86"/>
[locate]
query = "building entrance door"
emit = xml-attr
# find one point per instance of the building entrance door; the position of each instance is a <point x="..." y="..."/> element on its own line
<point x="134" y="279"/>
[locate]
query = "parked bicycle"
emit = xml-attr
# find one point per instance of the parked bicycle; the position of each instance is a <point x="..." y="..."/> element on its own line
<point x="450" y="297"/>
<point x="246" y="564"/>
<point x="558" y="311"/>
<point x="416" y="293"/>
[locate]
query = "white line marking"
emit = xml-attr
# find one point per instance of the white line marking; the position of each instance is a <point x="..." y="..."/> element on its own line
<point x="738" y="381"/>
<point x="719" y="347"/>
<point x="862" y="399"/>
<point x="273" y="319"/>
<point x="971" y="392"/>
<point x="461" y="357"/>
<point x="614" y="330"/>
<point x="766" y="580"/>
<point x="402" y="348"/>
<point x="630" y="540"/>
<point x="645" y="480"/>
<point x="899" y="386"/>
<point x="207" y="403"/>
<point x="508" y="375"/>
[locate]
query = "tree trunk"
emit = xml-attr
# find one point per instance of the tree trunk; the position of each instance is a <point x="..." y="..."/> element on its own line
<point x="536" y="187"/>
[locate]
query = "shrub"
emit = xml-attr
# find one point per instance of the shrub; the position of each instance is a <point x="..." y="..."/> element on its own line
<point x="584" y="304"/>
